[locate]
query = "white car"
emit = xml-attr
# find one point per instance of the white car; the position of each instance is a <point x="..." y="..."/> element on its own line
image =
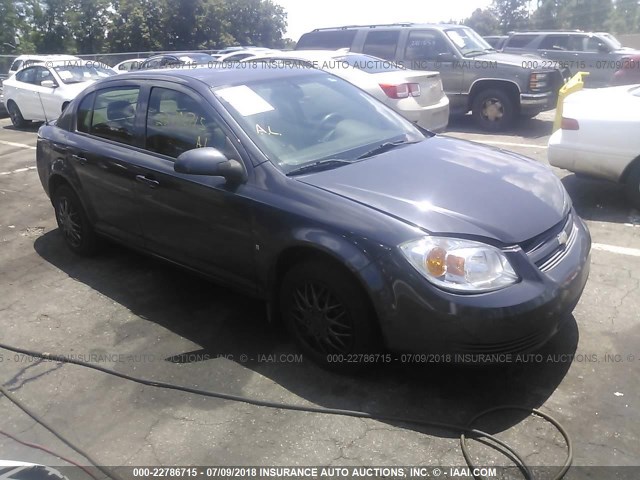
<point x="241" y="54"/>
<point x="129" y="65"/>
<point x="416" y="95"/>
<point x="23" y="61"/>
<point x="600" y="136"/>
<point x="41" y="92"/>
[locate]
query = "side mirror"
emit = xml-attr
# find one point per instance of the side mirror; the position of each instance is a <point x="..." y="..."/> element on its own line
<point x="48" y="84"/>
<point x="445" y="57"/>
<point x="210" y="161"/>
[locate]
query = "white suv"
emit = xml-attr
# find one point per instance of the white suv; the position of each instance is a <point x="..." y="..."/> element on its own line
<point x="26" y="60"/>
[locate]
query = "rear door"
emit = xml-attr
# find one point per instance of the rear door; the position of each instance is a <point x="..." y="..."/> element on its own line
<point x="104" y="156"/>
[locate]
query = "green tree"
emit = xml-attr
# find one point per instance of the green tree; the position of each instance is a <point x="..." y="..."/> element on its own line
<point x="483" y="21"/>
<point x="88" y="21"/>
<point x="256" y="22"/>
<point x="511" y="14"/>
<point x="624" y="17"/>
<point x="137" y="25"/>
<point x="50" y="31"/>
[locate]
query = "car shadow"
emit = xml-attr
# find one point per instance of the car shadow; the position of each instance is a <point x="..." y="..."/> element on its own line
<point x="32" y="127"/>
<point x="225" y="324"/>
<point x="600" y="200"/>
<point x="524" y="127"/>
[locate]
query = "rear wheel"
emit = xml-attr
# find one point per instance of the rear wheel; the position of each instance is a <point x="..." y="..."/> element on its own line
<point x="73" y="222"/>
<point x="328" y="315"/>
<point x="16" y="115"/>
<point x="493" y="110"/>
<point x="632" y="186"/>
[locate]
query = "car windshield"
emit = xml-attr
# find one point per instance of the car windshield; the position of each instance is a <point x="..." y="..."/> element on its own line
<point x="468" y="42"/>
<point x="613" y="41"/>
<point x="196" y="58"/>
<point x="82" y="73"/>
<point x="303" y="119"/>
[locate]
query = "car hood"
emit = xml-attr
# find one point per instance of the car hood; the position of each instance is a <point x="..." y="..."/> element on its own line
<point x="71" y="90"/>
<point x="508" y="59"/>
<point x="445" y="185"/>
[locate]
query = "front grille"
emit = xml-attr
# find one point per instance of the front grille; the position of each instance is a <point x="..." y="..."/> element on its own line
<point x="548" y="249"/>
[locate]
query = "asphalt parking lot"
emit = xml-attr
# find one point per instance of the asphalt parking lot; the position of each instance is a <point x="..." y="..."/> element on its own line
<point x="142" y="317"/>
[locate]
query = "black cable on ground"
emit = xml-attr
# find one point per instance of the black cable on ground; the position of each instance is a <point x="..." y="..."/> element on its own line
<point x="50" y="452"/>
<point x="513" y="455"/>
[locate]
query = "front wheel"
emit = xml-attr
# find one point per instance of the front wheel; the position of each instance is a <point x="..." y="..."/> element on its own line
<point x="328" y="315"/>
<point x="632" y="186"/>
<point x="493" y="110"/>
<point x="73" y="222"/>
<point x="16" y="115"/>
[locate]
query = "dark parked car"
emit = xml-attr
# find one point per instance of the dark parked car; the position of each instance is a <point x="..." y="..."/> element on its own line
<point x="176" y="61"/>
<point x="358" y="228"/>
<point x="496" y="41"/>
<point x="598" y="53"/>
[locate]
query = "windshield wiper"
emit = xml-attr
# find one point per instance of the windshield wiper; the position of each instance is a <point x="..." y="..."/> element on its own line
<point x="383" y="147"/>
<point x="475" y="52"/>
<point x="319" y="165"/>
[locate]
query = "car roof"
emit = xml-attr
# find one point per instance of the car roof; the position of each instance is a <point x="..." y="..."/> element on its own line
<point x="47" y="57"/>
<point x="440" y="26"/>
<point x="215" y="77"/>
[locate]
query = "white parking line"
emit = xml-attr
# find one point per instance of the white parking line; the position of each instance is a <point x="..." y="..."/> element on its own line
<point x="19" y="170"/>
<point x="14" y="144"/>
<point x="633" y="252"/>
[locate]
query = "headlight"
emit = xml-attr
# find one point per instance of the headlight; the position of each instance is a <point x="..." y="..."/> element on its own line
<point x="538" y="81"/>
<point x="460" y="265"/>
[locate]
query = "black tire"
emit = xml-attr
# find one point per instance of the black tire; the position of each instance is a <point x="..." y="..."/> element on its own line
<point x="328" y="315"/>
<point x="73" y="222"/>
<point x="16" y="115"/>
<point x="493" y="110"/>
<point x="632" y="186"/>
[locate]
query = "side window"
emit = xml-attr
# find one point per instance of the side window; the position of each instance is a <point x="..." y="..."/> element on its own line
<point x="594" y="44"/>
<point x="84" y="113"/>
<point x="28" y="75"/>
<point x="114" y="112"/>
<point x="520" y="41"/>
<point x="15" y="66"/>
<point x="555" y="42"/>
<point x="382" y="44"/>
<point x="42" y="74"/>
<point x="577" y="43"/>
<point x="425" y="45"/>
<point x="176" y="122"/>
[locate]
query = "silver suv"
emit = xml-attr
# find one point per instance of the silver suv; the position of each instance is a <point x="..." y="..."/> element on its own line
<point x="496" y="87"/>
<point x="598" y="53"/>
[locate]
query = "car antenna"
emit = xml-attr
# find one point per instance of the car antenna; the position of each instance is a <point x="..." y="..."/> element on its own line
<point x="46" y="122"/>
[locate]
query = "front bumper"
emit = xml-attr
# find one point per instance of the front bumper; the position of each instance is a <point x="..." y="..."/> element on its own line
<point x="520" y="318"/>
<point x="537" y="102"/>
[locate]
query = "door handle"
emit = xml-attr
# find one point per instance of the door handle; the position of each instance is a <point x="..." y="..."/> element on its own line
<point x="81" y="160"/>
<point x="147" y="181"/>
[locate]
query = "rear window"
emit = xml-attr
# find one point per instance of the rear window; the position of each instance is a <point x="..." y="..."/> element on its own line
<point x="370" y="64"/>
<point x="382" y="44"/>
<point x="520" y="41"/>
<point x="328" y="39"/>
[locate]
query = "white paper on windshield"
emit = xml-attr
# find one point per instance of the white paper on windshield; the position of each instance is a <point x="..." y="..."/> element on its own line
<point x="456" y="38"/>
<point x="65" y="74"/>
<point x="244" y="100"/>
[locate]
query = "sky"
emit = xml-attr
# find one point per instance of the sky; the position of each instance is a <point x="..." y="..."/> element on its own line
<point x="305" y="15"/>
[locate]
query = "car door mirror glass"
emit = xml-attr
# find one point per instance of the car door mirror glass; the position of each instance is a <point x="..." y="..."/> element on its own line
<point x="210" y="161"/>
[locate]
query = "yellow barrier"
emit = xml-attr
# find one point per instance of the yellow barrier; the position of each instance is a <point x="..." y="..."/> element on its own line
<point x="574" y="84"/>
